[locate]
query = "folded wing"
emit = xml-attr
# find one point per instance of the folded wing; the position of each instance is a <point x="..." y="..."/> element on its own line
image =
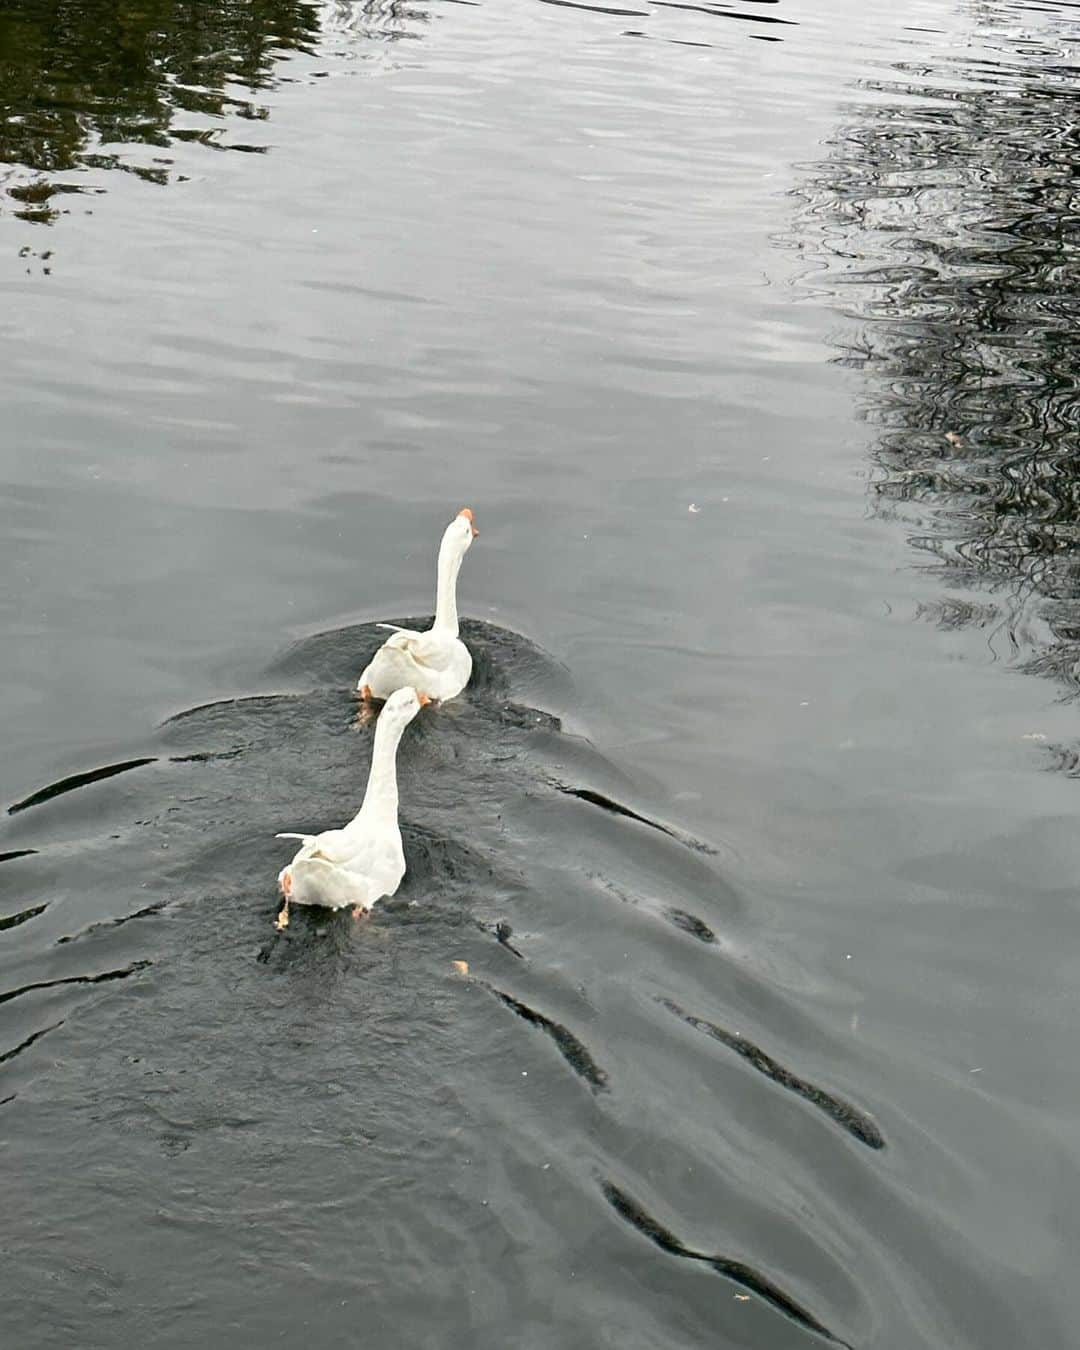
<point x="426" y="649"/>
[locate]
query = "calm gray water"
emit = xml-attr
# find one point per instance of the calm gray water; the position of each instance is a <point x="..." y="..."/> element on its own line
<point x="748" y="331"/>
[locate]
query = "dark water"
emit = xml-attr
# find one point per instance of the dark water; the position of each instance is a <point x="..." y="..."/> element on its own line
<point x="754" y="828"/>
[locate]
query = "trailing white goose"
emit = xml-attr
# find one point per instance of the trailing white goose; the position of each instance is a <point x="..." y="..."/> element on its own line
<point x="363" y="861"/>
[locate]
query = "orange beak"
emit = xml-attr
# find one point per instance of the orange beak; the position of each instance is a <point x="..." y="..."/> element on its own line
<point x="466" y="511"/>
<point x="424" y="700"/>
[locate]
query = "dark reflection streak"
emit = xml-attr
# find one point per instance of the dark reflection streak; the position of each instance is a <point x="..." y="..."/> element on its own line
<point x="722" y="13"/>
<point x="751" y="18"/>
<point x="674" y="4"/>
<point x="75" y="979"/>
<point x="598" y="9"/>
<point x="207" y="756"/>
<point x="682" y="919"/>
<point x="209" y="139"/>
<point x="16" y="919"/>
<point x="737" y="1271"/>
<point x="246" y="702"/>
<point x="17" y="853"/>
<point x="569" y="1046"/>
<point x="25" y="1045"/>
<point x="146" y="913"/>
<point x="616" y="808"/>
<point x="856" y="1122"/>
<point x="690" y="923"/>
<point x="78" y="780"/>
<point x="671" y="42"/>
<point x="685" y="4"/>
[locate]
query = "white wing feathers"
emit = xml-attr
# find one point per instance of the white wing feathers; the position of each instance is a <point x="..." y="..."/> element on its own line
<point x="426" y="649"/>
<point x="356" y="851"/>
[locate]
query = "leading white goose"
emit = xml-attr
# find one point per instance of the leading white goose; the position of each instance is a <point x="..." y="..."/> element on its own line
<point x="363" y="862"/>
<point x="436" y="663"/>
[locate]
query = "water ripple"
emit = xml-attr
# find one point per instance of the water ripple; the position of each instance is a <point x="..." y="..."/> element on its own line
<point x="737" y="1271"/>
<point x="88" y="95"/>
<point x="946" y="221"/>
<point x="856" y="1122"/>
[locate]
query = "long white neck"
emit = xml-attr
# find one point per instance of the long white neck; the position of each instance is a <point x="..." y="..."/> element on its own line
<point x="381" y="796"/>
<point x="450" y="556"/>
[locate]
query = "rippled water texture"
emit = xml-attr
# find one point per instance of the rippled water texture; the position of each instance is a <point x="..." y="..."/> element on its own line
<point x="747" y="330"/>
<point x="949" y="214"/>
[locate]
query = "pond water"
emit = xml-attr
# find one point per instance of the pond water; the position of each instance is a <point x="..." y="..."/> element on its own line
<point x="748" y="331"/>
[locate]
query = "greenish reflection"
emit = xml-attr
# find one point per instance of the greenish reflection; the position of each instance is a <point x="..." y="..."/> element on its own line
<point x="81" y="79"/>
<point x="946" y="217"/>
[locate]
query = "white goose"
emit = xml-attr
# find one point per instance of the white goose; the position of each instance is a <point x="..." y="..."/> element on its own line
<point x="362" y="862"/>
<point x="436" y="663"/>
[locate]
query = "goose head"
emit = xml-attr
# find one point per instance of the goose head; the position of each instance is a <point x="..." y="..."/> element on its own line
<point x="460" y="533"/>
<point x="401" y="707"/>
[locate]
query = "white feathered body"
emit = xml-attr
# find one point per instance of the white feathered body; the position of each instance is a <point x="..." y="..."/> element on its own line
<point x="435" y="663"/>
<point x="363" y="862"/>
<point x="339" y="869"/>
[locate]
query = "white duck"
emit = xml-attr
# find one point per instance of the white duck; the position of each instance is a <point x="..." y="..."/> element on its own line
<point x="436" y="663"/>
<point x="362" y="862"/>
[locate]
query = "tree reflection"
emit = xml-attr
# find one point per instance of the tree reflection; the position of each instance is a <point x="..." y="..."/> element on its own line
<point x="81" y="79"/>
<point x="949" y="218"/>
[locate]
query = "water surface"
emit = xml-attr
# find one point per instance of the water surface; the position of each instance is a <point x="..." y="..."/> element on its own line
<point x="755" y="829"/>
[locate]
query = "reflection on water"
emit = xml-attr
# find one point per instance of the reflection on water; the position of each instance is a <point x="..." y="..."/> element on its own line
<point x="769" y="1047"/>
<point x="80" y="84"/>
<point x="92" y="86"/>
<point x="948" y="213"/>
